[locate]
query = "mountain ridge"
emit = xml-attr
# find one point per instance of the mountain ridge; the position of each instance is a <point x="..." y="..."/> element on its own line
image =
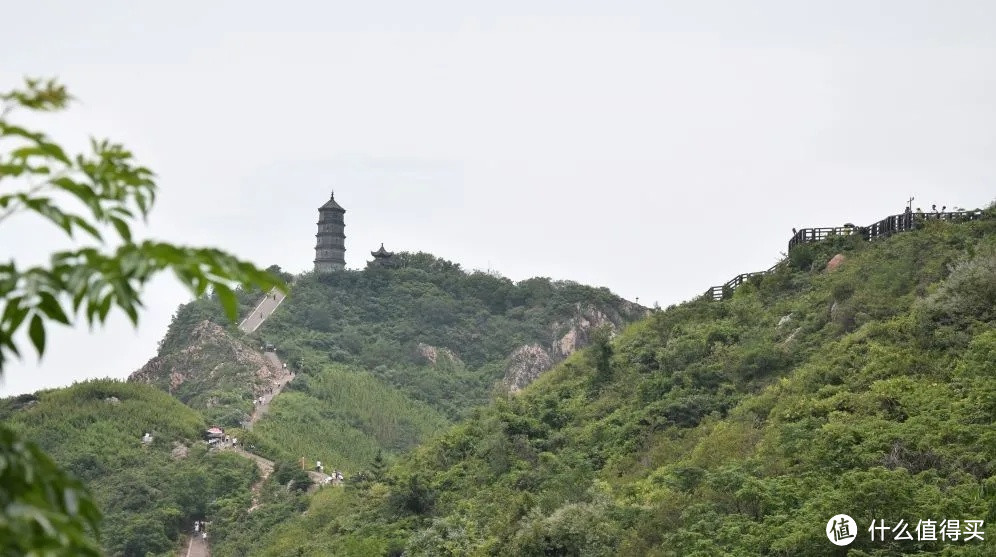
<point x="736" y="427"/>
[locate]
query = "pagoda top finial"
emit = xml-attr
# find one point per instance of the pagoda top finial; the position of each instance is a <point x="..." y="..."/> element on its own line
<point x="331" y="204"/>
<point x="381" y="253"/>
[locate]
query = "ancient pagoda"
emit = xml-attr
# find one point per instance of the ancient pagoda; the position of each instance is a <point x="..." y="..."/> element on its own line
<point x="330" y="251"/>
<point x="383" y="257"/>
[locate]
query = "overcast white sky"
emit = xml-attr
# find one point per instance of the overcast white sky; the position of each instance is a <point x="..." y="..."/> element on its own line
<point x="654" y="147"/>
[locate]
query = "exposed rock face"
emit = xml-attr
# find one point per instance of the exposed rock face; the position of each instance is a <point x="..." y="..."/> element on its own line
<point x="835" y="262"/>
<point x="179" y="451"/>
<point x="525" y="365"/>
<point x="212" y="358"/>
<point x="527" y="362"/>
<point x="577" y="328"/>
<point x="438" y="357"/>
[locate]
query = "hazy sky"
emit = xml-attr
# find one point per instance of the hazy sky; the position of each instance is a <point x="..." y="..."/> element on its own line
<point x="656" y="147"/>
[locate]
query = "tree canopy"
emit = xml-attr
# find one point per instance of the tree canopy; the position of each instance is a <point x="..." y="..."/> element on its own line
<point x="95" y="198"/>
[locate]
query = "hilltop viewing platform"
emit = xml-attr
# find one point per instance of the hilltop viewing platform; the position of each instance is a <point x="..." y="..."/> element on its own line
<point x="893" y="224"/>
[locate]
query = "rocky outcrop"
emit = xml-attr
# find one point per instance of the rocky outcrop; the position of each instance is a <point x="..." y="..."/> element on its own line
<point x="180" y="451"/>
<point x="527" y="362"/>
<point x="438" y="357"/>
<point x="835" y="262"/>
<point x="212" y="358"/>
<point x="525" y="365"/>
<point x="572" y="335"/>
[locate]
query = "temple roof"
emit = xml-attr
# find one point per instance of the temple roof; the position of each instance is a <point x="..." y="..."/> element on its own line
<point x="381" y="252"/>
<point x="331" y="204"/>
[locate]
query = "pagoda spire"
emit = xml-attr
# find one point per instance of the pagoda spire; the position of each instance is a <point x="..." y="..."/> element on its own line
<point x="330" y="249"/>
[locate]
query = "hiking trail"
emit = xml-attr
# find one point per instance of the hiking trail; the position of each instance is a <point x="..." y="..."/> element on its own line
<point x="197" y="546"/>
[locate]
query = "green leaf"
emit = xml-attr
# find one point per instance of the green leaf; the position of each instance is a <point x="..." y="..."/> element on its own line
<point x="105" y="307"/>
<point x="25" y="153"/>
<point x="54" y="150"/>
<point x="228" y="300"/>
<point x="14" y="314"/>
<point x="37" y="333"/>
<point x="5" y="340"/>
<point x="8" y="130"/>
<point x="52" y="308"/>
<point x="122" y="227"/>
<point x="89" y="228"/>
<point x="132" y="313"/>
<point x="10" y="310"/>
<point x="12" y="169"/>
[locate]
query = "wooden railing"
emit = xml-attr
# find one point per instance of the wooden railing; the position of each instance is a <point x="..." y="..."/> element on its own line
<point x="884" y="228"/>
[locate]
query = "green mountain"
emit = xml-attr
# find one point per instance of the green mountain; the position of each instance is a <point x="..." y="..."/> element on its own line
<point x="477" y="416"/>
<point x="384" y="359"/>
<point x="736" y="427"/>
<point x="150" y="493"/>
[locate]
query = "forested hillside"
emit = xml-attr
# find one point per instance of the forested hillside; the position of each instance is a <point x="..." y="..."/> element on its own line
<point x="712" y="428"/>
<point x="440" y="334"/>
<point x="384" y="357"/>
<point x="151" y="493"/>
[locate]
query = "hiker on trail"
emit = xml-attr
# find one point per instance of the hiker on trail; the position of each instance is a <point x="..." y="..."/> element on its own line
<point x="204" y="536"/>
<point x="197" y="526"/>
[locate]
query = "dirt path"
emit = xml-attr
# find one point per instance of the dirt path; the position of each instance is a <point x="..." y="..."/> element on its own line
<point x="265" y="469"/>
<point x="277" y="386"/>
<point x="197" y="547"/>
<point x="265" y="466"/>
<point x="318" y="479"/>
